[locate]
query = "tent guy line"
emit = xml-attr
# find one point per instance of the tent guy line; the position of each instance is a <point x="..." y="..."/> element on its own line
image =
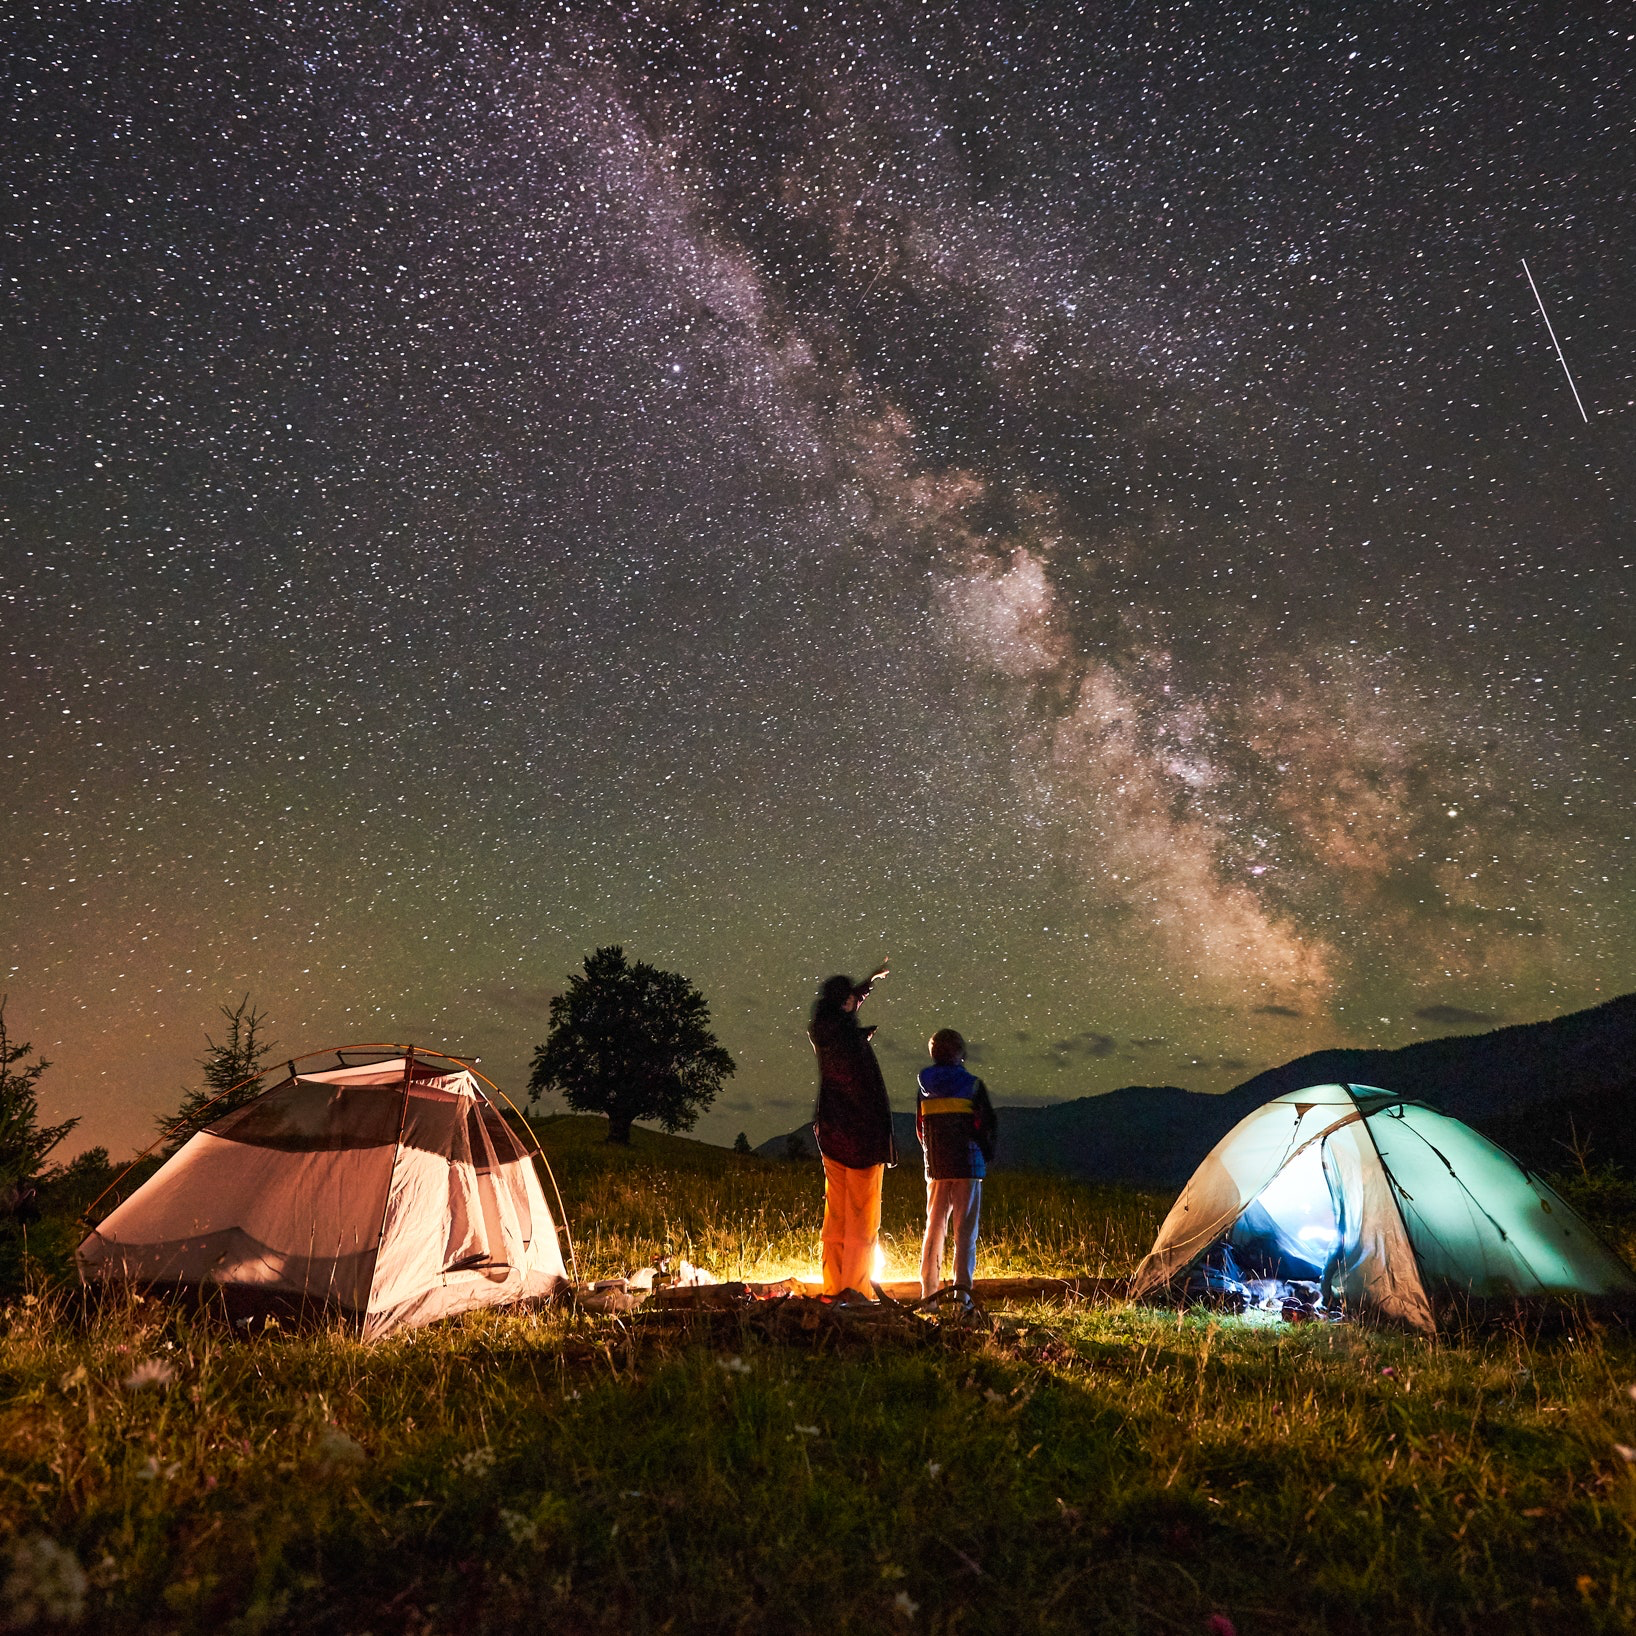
<point x="1554" y="342"/>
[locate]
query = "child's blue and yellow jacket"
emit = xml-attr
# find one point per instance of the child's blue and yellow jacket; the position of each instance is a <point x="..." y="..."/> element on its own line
<point x="955" y="1122"/>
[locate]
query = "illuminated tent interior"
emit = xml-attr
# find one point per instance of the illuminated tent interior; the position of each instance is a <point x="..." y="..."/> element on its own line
<point x="1343" y="1197"/>
<point x="392" y="1192"/>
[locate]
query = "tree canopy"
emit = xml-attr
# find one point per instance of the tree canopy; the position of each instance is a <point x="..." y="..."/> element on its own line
<point x="232" y="1065"/>
<point x="24" y="1141"/>
<point x="632" y="1042"/>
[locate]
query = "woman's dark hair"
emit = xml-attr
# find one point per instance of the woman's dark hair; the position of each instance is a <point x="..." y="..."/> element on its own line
<point x="833" y="993"/>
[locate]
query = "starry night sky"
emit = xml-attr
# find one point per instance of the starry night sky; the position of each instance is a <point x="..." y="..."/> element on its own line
<point x="1079" y="500"/>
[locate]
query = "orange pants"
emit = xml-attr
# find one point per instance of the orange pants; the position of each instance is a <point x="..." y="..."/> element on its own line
<point x="851" y="1226"/>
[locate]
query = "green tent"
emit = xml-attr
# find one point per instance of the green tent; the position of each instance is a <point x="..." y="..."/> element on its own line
<point x="1386" y="1206"/>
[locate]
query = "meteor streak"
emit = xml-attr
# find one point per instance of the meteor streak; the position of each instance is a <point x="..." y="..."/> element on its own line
<point x="1554" y="342"/>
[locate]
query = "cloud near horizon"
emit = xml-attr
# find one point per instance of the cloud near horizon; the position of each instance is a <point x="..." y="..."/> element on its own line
<point x="519" y="999"/>
<point x="1456" y="1016"/>
<point x="1090" y="1044"/>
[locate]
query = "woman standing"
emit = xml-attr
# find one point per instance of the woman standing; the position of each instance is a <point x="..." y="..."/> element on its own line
<point x="853" y="1125"/>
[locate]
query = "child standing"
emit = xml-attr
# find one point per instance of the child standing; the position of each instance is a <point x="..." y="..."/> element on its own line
<point x="956" y="1124"/>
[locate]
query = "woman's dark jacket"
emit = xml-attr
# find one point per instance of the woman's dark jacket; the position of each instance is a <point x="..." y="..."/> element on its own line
<point x="853" y="1119"/>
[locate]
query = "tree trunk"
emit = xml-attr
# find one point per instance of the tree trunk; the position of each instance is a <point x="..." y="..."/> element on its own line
<point x="619" y="1129"/>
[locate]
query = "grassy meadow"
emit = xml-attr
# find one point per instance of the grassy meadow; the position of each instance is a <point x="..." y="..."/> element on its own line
<point x="1099" y="1468"/>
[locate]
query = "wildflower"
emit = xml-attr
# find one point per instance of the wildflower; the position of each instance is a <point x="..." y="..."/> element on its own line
<point x="905" y="1605"/>
<point x="933" y="1469"/>
<point x="733" y="1365"/>
<point x="336" y="1451"/>
<point x="105" y="1574"/>
<point x="151" y="1372"/>
<point x="478" y="1463"/>
<point x="44" y="1585"/>
<point x="1389" y="1372"/>
<point x="1221" y="1625"/>
<point x="520" y="1529"/>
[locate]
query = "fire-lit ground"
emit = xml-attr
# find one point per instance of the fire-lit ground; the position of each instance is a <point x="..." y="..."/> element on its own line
<point x="757" y="1221"/>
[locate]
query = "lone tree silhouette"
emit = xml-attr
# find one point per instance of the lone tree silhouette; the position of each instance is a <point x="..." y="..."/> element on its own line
<point x="236" y="1058"/>
<point x="631" y="1042"/>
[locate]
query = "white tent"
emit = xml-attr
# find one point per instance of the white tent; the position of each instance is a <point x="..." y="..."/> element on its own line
<point x="1394" y="1208"/>
<point x="392" y="1192"/>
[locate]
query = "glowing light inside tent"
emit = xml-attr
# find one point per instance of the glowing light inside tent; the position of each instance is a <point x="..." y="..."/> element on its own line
<point x="1297" y="1199"/>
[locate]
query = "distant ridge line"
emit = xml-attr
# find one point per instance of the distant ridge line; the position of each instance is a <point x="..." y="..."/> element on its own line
<point x="1541" y="1089"/>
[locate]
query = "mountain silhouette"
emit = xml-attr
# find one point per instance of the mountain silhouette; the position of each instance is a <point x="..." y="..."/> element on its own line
<point x="1552" y="1093"/>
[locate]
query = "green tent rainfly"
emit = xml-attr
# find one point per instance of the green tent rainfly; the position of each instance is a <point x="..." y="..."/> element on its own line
<point x="1394" y="1209"/>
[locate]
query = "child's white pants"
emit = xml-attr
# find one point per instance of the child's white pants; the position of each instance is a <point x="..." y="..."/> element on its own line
<point x="958" y="1200"/>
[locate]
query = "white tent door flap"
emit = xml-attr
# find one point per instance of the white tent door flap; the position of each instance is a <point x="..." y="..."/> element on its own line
<point x="1291" y="1223"/>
